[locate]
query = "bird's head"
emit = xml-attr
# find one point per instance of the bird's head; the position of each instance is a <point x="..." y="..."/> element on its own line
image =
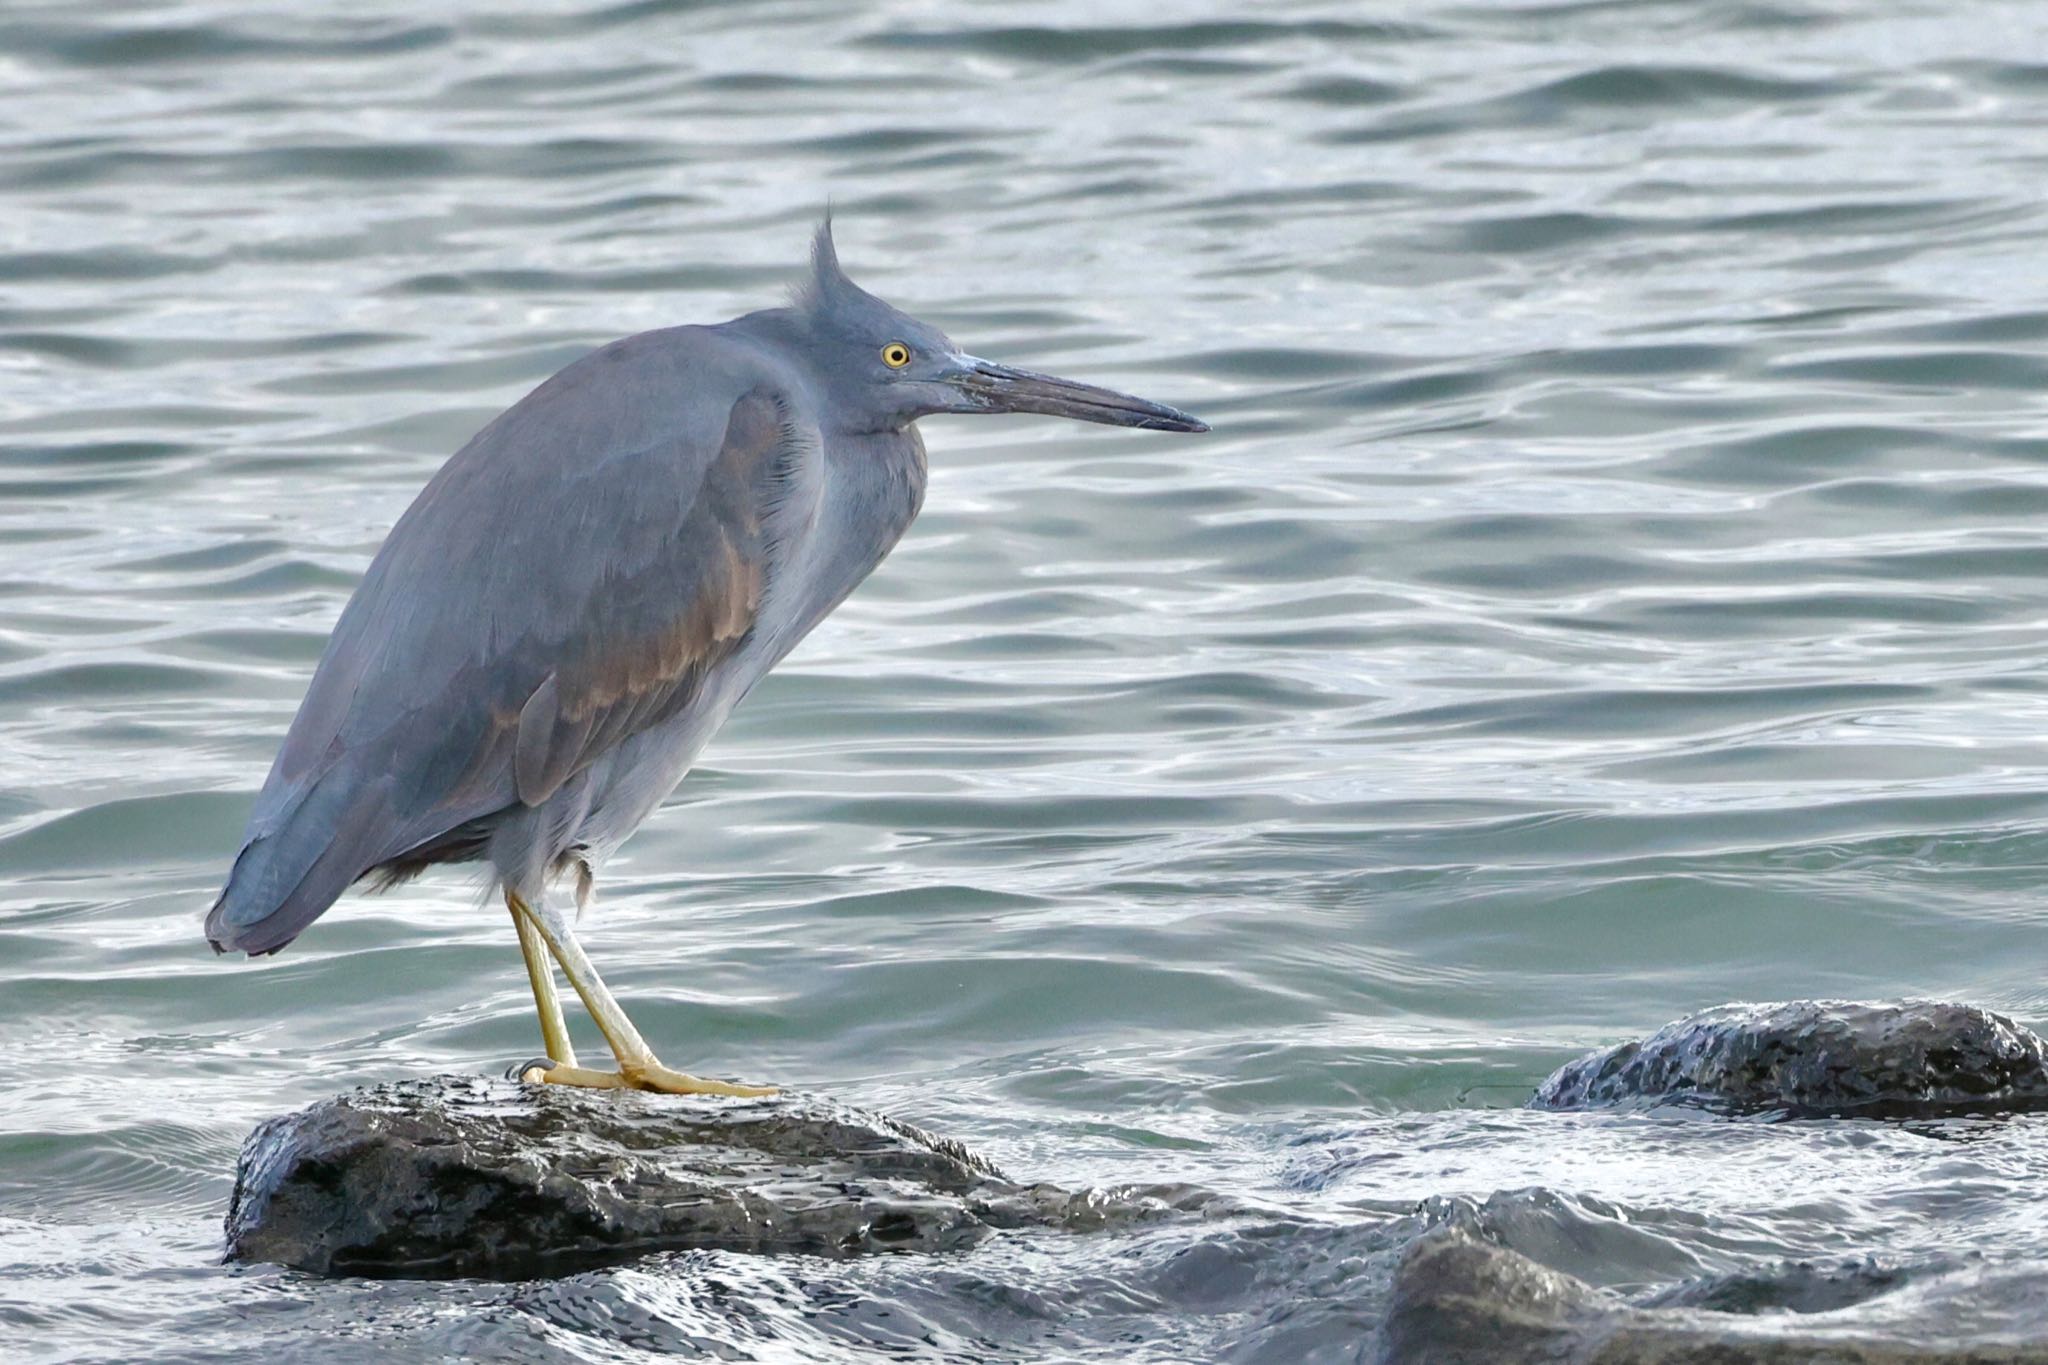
<point x="888" y="367"/>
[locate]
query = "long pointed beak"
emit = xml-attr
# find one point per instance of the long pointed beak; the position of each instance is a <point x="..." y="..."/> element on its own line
<point x="990" y="387"/>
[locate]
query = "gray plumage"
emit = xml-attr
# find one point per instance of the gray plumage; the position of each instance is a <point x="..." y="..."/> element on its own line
<point x="585" y="590"/>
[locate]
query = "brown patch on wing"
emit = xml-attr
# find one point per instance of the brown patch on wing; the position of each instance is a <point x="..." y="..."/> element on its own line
<point x="609" y="686"/>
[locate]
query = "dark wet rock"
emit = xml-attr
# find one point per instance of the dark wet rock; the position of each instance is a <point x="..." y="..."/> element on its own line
<point x="461" y="1176"/>
<point x="1458" y="1300"/>
<point x="1819" y="1058"/>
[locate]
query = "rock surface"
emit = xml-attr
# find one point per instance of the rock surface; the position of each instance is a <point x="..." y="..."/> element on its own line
<point x="1809" y="1059"/>
<point x="1458" y="1300"/>
<point x="461" y="1176"/>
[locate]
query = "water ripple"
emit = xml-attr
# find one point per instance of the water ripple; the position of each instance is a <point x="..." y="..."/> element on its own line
<point x="1615" y="585"/>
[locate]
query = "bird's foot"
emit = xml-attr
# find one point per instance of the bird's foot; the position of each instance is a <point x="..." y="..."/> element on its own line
<point x="640" y="1076"/>
<point x="546" y="1069"/>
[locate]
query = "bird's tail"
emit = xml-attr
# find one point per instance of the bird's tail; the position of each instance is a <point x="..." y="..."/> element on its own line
<point x="293" y="866"/>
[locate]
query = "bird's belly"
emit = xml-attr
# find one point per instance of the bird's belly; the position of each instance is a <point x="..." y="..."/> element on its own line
<point x="638" y="776"/>
<point x="627" y="786"/>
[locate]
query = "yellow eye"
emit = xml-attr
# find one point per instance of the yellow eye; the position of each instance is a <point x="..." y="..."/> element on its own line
<point x="895" y="355"/>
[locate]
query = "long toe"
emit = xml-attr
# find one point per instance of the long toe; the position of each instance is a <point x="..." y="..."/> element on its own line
<point x="540" y="1070"/>
<point x="655" y="1076"/>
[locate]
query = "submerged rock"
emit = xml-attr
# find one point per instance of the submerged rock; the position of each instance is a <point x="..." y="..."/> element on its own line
<point x="1458" y="1300"/>
<point x="1789" y="1286"/>
<point x="1819" y="1058"/>
<point x="461" y="1176"/>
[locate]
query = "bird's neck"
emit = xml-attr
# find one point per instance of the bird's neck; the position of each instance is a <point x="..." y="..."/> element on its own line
<point x="872" y="489"/>
<point x="875" y="484"/>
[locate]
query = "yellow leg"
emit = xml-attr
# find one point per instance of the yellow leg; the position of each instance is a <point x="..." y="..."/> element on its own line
<point x="554" y="1030"/>
<point x="638" y="1066"/>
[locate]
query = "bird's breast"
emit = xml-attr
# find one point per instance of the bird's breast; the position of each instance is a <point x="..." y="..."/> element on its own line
<point x="871" y="488"/>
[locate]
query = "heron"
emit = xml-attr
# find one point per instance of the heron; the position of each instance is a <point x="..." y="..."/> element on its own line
<point x="578" y="599"/>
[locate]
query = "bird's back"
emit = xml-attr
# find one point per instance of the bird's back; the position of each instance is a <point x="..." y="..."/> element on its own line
<point x="567" y="580"/>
